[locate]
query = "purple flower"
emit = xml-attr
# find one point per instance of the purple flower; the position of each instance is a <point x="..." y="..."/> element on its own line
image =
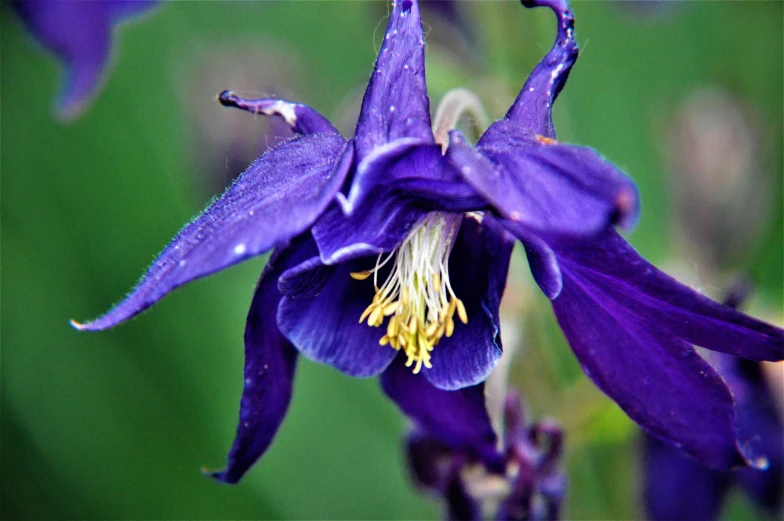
<point x="401" y="228"/>
<point x="523" y="481"/>
<point x="79" y="33"/>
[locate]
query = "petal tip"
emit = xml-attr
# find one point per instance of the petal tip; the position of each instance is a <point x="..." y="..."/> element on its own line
<point x="221" y="476"/>
<point x="69" y="111"/>
<point x="627" y="207"/>
<point x="554" y="290"/>
<point x="346" y="204"/>
<point x="77" y="325"/>
<point x="760" y="463"/>
<point x="226" y="98"/>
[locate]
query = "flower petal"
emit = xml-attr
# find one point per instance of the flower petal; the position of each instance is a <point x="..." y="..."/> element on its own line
<point x="407" y="166"/>
<point x="300" y="118"/>
<point x="371" y="230"/>
<point x="677" y="487"/>
<point x="548" y="187"/>
<point x="541" y="260"/>
<point x="251" y="217"/>
<point x="320" y="311"/>
<point x="124" y="9"/>
<point x="657" y="379"/>
<point x="79" y="34"/>
<point x="478" y="266"/>
<point x="396" y="103"/>
<point x="532" y="109"/>
<point x="758" y="421"/>
<point x="647" y="295"/>
<point x="458" y="419"/>
<point x="392" y="191"/>
<point x="270" y="360"/>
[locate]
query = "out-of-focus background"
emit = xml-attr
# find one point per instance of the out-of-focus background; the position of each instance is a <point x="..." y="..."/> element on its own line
<point x="684" y="96"/>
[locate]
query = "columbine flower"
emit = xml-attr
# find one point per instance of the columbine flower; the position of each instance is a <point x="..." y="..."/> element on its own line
<point x="79" y="33"/>
<point x="396" y="243"/>
<point x="522" y="481"/>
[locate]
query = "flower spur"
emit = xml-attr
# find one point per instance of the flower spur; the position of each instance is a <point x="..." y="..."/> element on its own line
<point x="331" y="207"/>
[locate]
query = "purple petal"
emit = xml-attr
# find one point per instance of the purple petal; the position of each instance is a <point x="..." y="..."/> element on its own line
<point x="478" y="266"/>
<point x="458" y="419"/>
<point x="397" y="188"/>
<point x="657" y="379"/>
<point x="396" y="103"/>
<point x="277" y="198"/>
<point x="546" y="186"/>
<point x="300" y="118"/>
<point x="760" y="423"/>
<point x="79" y="34"/>
<point x="677" y="487"/>
<point x="532" y="109"/>
<point x="656" y="300"/>
<point x="541" y="260"/>
<point x="270" y="360"/>
<point x="371" y="230"/>
<point x="418" y="171"/>
<point x="319" y="314"/>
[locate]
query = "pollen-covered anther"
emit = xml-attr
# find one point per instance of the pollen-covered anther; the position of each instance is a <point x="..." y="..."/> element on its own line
<point x="417" y="296"/>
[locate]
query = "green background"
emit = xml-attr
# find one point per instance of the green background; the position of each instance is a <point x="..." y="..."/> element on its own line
<point x="116" y="425"/>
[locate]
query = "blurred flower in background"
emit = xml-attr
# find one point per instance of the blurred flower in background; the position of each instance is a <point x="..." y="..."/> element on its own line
<point x="80" y="34"/>
<point x="526" y="482"/>
<point x="716" y="161"/>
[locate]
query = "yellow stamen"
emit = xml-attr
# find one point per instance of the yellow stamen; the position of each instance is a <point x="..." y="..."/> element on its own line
<point x="450" y="326"/>
<point x="365" y="313"/>
<point x="461" y="312"/>
<point x="375" y="316"/>
<point x="391" y="308"/>
<point x="392" y="327"/>
<point x="417" y="296"/>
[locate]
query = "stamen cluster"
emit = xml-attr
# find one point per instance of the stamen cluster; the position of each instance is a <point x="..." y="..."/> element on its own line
<point x="417" y="295"/>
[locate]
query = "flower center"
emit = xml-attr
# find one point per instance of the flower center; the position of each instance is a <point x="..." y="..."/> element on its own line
<point x="417" y="295"/>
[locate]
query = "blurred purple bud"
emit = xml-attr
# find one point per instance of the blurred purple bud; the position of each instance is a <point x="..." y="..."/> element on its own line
<point x="460" y="506"/>
<point x="531" y="485"/>
<point x="428" y="460"/>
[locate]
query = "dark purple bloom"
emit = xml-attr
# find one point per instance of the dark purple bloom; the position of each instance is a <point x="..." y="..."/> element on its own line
<point x="523" y="481"/>
<point x="677" y="487"/>
<point x="432" y="221"/>
<point x="79" y="33"/>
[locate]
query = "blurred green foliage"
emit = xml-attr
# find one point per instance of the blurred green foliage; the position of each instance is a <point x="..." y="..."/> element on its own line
<point x="117" y="424"/>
